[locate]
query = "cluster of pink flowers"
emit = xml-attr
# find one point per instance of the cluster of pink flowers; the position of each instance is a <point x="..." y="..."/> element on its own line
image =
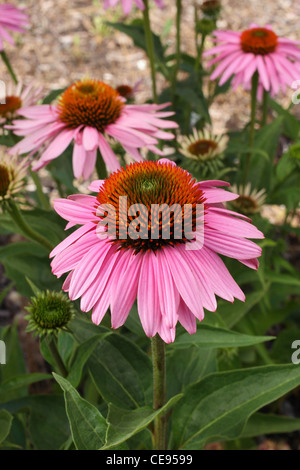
<point x="170" y="283"/>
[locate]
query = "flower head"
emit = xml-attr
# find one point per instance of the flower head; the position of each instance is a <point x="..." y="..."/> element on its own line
<point x="49" y="312"/>
<point x="151" y="258"/>
<point x="86" y="113"/>
<point x="128" y="91"/>
<point x="211" y="8"/>
<point x="11" y="19"/>
<point x="241" y="54"/>
<point x="250" y="200"/>
<point x="127" y="4"/>
<point x="18" y="97"/>
<point x="12" y="175"/>
<point x="204" y="150"/>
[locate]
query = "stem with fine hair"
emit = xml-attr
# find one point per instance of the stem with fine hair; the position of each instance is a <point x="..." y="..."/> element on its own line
<point x="254" y="88"/>
<point x="51" y="342"/>
<point x="265" y="104"/>
<point x="17" y="217"/>
<point x="178" y="50"/>
<point x="150" y="48"/>
<point x="159" y="392"/>
<point x="9" y="67"/>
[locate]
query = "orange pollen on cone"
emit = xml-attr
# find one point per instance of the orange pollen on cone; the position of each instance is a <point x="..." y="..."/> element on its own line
<point x="155" y="186"/>
<point x="13" y="103"/>
<point x="259" y="41"/>
<point x="202" y="147"/>
<point x="90" y="103"/>
<point x="4" y="180"/>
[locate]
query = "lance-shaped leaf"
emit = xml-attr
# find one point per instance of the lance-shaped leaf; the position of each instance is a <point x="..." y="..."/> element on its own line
<point x="122" y="424"/>
<point x="219" y="405"/>
<point x="208" y="337"/>
<point x="88" y="426"/>
<point x="5" y="424"/>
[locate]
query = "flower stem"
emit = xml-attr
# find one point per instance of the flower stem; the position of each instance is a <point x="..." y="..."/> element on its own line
<point x="178" y="51"/>
<point x="40" y="193"/>
<point x="9" y="67"/>
<point x="252" y="122"/>
<point x="25" y="228"/>
<point x="265" y="108"/>
<point x="56" y="356"/>
<point x="150" y="48"/>
<point x="159" y="392"/>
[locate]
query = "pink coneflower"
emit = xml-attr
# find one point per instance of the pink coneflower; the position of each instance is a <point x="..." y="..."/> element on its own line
<point x="170" y="282"/>
<point x="13" y="19"/>
<point x="127" y="4"/>
<point x="86" y="112"/>
<point x="241" y="54"/>
<point x="18" y="97"/>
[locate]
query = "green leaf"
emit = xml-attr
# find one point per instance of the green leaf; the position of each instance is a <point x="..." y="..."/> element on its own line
<point x="122" y="424"/>
<point x="282" y="348"/>
<point x="121" y="371"/>
<point x="15" y="361"/>
<point x="53" y="95"/>
<point x="5" y="291"/>
<point x="207" y="337"/>
<point x="186" y="366"/>
<point x="80" y="358"/>
<point x="262" y="423"/>
<point x="48" y="424"/>
<point x="87" y="424"/>
<point x="31" y="260"/>
<point x="233" y="313"/>
<point x="61" y="170"/>
<point x="283" y="278"/>
<point x="5" y="424"/>
<point x="219" y="405"/>
<point x="8" y="387"/>
<point x="266" y="139"/>
<point x="136" y="32"/>
<point x="291" y="125"/>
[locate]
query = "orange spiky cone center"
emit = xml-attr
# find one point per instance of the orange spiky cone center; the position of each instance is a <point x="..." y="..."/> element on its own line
<point x="90" y="103"/>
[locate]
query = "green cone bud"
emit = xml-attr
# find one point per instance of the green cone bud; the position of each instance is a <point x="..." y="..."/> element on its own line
<point x="49" y="313"/>
<point x="211" y="8"/>
<point x="206" y="26"/>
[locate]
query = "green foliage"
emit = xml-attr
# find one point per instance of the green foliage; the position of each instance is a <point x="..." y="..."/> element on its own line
<point x="229" y="380"/>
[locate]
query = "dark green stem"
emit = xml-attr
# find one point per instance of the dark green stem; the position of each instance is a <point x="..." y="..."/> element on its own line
<point x="252" y="123"/>
<point x="200" y="48"/>
<point x="39" y="189"/>
<point x="25" y="228"/>
<point x="265" y="104"/>
<point x="159" y="392"/>
<point x="9" y="67"/>
<point x="178" y="50"/>
<point x="150" y="48"/>
<point x="51" y="342"/>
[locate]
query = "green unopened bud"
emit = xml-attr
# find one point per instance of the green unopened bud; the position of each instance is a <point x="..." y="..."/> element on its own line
<point x="211" y="8"/>
<point x="49" y="313"/>
<point x="206" y="26"/>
